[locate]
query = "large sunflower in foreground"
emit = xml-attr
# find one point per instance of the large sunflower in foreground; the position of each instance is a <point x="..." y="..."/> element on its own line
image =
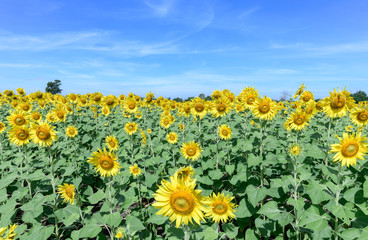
<point x="67" y="192"/>
<point x="181" y="202"/>
<point x="349" y="149"/>
<point x="19" y="135"/>
<point x="43" y="134"/>
<point x="105" y="162"/>
<point x="191" y="150"/>
<point x="219" y="207"/>
<point x="359" y="116"/>
<point x="264" y="108"/>
<point x="338" y="103"/>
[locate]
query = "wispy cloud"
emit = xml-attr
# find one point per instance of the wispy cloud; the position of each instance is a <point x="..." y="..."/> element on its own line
<point x="350" y="47"/>
<point x="21" y="65"/>
<point x="160" y="8"/>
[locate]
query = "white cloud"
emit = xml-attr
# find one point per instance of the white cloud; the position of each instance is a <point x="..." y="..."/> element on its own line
<point x="160" y="8"/>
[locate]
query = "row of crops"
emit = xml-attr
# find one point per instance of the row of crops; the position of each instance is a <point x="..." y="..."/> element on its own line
<point x="236" y="167"/>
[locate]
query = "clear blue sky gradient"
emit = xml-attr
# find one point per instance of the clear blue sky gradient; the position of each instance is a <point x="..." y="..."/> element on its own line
<point x="181" y="48"/>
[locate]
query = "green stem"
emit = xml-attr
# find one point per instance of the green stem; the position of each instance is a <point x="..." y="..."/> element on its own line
<point x="111" y="203"/>
<point x="328" y="139"/>
<point x="53" y="191"/>
<point x="186" y="230"/>
<point x="295" y="163"/>
<point x="337" y="198"/>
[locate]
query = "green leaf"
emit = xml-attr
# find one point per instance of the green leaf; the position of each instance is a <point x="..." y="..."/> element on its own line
<point x="230" y="230"/>
<point x="365" y="189"/>
<point x="157" y="219"/>
<point x="39" y="233"/>
<point x="112" y="220"/>
<point x="210" y="234"/>
<point x="317" y="192"/>
<point x="215" y="174"/>
<point x="271" y="210"/>
<point x="230" y="169"/>
<point x="253" y="160"/>
<point x="255" y="195"/>
<point x="341" y="212"/>
<point x="96" y="197"/>
<point x="134" y="224"/>
<point x="350" y="234"/>
<point x="5" y="181"/>
<point x="250" y="235"/>
<point x="242" y="210"/>
<point x="204" y="179"/>
<point x="312" y="219"/>
<point x="89" y="231"/>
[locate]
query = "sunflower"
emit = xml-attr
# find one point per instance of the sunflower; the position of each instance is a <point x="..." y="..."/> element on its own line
<point x="110" y="101"/>
<point x="131" y="127"/>
<point x="221" y="107"/>
<point x="19" y="135"/>
<point x="60" y="115"/>
<point x="306" y="96"/>
<point x="250" y="96"/>
<point x="264" y="108"/>
<point x="219" y="207"/>
<point x="149" y="98"/>
<point x="299" y="91"/>
<point x="43" y="134"/>
<point x="182" y="203"/>
<point x="191" y="150"/>
<point x="18" y="118"/>
<point x="130" y="106"/>
<point x="71" y="131"/>
<point x="172" y="137"/>
<point x="105" y="111"/>
<point x="21" y="91"/>
<point x="225" y="132"/>
<point x="199" y="107"/>
<point x="120" y="233"/>
<point x="35" y="116"/>
<point x="295" y="149"/>
<point x="349" y="128"/>
<point x="51" y="117"/>
<point x="26" y="107"/>
<point x="297" y="121"/>
<point x="149" y="131"/>
<point x="2" y="127"/>
<point x="359" y="116"/>
<point x="10" y="235"/>
<point x="165" y="122"/>
<point x="112" y="143"/>
<point x="349" y="149"/>
<point x="135" y="170"/>
<point x="181" y="126"/>
<point x="184" y="174"/>
<point x="216" y="94"/>
<point x="105" y="162"/>
<point x="338" y="103"/>
<point x="67" y="192"/>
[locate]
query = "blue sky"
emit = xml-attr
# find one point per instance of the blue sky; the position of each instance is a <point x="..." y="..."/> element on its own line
<point x="181" y="48"/>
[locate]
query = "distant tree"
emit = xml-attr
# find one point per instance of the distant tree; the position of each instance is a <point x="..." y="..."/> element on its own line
<point x="202" y="96"/>
<point x="284" y="96"/>
<point x="208" y="98"/>
<point x="189" y="98"/>
<point x="178" y="99"/>
<point x="360" y="96"/>
<point x="53" y="87"/>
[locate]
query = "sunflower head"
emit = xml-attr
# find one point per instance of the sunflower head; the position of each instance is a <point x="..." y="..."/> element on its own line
<point x="225" y="132"/>
<point x="351" y="147"/>
<point x="172" y="137"/>
<point x="338" y="103"/>
<point x="359" y="116"/>
<point x="43" y="134"/>
<point x="131" y="128"/>
<point x="67" y="192"/>
<point x="184" y="174"/>
<point x="71" y="131"/>
<point x="112" y="143"/>
<point x="264" y="108"/>
<point x="135" y="170"/>
<point x="105" y="162"/>
<point x="220" y="208"/>
<point x="191" y="150"/>
<point x="18" y="118"/>
<point x="295" y="149"/>
<point x="19" y="135"/>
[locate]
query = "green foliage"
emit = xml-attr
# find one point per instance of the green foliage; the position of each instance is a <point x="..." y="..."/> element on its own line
<point x="360" y="96"/>
<point x="53" y="87"/>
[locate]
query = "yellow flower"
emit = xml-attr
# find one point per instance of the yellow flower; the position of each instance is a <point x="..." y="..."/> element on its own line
<point x="120" y="233"/>
<point x="105" y="111"/>
<point x="60" y="115"/>
<point x="225" y="132"/>
<point x="199" y="107"/>
<point x="219" y="207"/>
<point x="182" y="203"/>
<point x="112" y="143"/>
<point x="165" y="122"/>
<point x="149" y="131"/>
<point x="349" y="128"/>
<point x="349" y="149"/>
<point x="130" y="106"/>
<point x="172" y="137"/>
<point x="135" y="170"/>
<point x="21" y="91"/>
<point x="36" y="116"/>
<point x="297" y="121"/>
<point x="26" y="107"/>
<point x="191" y="150"/>
<point x="131" y="128"/>
<point x="306" y="96"/>
<point x="221" y="107"/>
<point x="184" y="174"/>
<point x="295" y="149"/>
<point x="338" y="103"/>
<point x="18" y="118"/>
<point x="10" y="234"/>
<point x="359" y="116"/>
<point x="105" y="162"/>
<point x="71" y="131"/>
<point x="2" y="127"/>
<point x="67" y="192"/>
<point x="19" y="135"/>
<point x="43" y="134"/>
<point x="299" y="91"/>
<point x="264" y="108"/>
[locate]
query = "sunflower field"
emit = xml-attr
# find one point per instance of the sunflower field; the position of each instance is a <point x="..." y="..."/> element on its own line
<point x="235" y="167"/>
